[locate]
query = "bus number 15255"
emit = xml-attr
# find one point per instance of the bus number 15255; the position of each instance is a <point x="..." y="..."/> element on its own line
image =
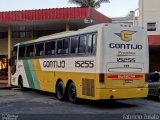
<point x="84" y="64"/>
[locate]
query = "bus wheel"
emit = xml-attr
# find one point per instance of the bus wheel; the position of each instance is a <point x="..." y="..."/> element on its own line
<point x="60" y="90"/>
<point x="72" y="95"/>
<point x="20" y="83"/>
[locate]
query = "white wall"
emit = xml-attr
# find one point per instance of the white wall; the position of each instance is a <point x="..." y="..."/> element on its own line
<point x="149" y="11"/>
<point x="4" y="44"/>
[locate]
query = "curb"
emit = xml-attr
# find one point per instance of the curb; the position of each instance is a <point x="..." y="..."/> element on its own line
<point x="6" y="87"/>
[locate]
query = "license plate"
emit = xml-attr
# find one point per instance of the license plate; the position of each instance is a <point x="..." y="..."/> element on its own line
<point x="128" y="81"/>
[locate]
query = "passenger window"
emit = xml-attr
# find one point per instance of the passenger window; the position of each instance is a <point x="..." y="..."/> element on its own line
<point x="59" y="46"/>
<point x="94" y="39"/>
<point x="39" y="49"/>
<point x="15" y="51"/>
<point x="82" y="44"/>
<point x="91" y="43"/>
<point x="74" y="45"/>
<point x="66" y="46"/>
<point x="89" y="50"/>
<point x="50" y="48"/>
<point x="63" y="46"/>
<point x="21" y="51"/>
<point x="30" y="51"/>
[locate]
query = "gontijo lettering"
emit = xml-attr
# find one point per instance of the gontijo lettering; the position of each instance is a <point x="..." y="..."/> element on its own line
<point x="54" y="64"/>
<point x="125" y="46"/>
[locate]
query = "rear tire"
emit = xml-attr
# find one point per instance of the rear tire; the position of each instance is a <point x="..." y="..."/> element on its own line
<point x="72" y="93"/>
<point x="60" y="90"/>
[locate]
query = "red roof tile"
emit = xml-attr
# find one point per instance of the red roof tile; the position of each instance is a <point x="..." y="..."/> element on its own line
<point x="53" y="14"/>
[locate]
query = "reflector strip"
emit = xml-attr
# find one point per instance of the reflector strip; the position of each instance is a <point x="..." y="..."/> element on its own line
<point x="125" y="76"/>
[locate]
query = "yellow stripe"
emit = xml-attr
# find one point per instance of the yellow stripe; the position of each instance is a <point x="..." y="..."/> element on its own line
<point x="48" y="80"/>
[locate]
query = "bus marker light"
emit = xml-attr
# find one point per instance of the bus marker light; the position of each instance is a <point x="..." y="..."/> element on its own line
<point x="140" y="89"/>
<point x="112" y="90"/>
<point x="101" y="78"/>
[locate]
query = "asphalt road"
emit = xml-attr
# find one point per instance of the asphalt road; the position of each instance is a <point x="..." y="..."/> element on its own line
<point x="35" y="104"/>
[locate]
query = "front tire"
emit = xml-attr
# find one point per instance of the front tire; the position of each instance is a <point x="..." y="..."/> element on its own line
<point x="60" y="90"/>
<point x="159" y="95"/>
<point x="20" y="84"/>
<point x="72" y="93"/>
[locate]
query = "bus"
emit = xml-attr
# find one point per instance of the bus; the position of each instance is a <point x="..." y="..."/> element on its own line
<point x="99" y="62"/>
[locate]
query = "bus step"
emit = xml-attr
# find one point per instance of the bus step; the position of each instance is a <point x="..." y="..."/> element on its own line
<point x="14" y="89"/>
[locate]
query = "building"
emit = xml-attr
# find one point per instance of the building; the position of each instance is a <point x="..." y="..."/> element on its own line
<point x="149" y="17"/>
<point x="18" y="26"/>
<point x="131" y="18"/>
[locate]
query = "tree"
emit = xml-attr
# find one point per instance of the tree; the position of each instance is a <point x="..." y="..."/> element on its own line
<point x="89" y="3"/>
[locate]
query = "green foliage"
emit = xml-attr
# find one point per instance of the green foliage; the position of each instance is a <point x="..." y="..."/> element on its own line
<point x="89" y="3"/>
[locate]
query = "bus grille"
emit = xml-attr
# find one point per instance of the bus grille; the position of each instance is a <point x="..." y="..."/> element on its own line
<point x="88" y="87"/>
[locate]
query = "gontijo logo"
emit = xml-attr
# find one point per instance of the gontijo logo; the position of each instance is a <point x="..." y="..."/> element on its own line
<point x="126" y="35"/>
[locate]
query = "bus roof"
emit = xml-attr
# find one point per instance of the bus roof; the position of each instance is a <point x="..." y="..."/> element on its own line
<point x="88" y="29"/>
<point x="92" y="28"/>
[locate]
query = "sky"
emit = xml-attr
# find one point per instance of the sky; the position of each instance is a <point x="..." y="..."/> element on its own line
<point x="116" y="8"/>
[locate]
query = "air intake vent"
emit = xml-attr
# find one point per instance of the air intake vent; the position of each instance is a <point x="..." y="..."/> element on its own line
<point x="88" y="87"/>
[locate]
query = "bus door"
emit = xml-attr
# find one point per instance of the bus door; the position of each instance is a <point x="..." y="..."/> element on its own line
<point x="14" y="60"/>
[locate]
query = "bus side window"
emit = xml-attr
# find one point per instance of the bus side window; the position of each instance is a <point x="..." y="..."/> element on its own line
<point x="30" y="51"/>
<point x="50" y="48"/>
<point x="15" y="51"/>
<point x="74" y="45"/>
<point x="91" y="43"/>
<point x="63" y="46"/>
<point x="82" y="44"/>
<point x="47" y="48"/>
<point x="21" y="51"/>
<point x="94" y="41"/>
<point x="53" y="47"/>
<point x="59" y="46"/>
<point x="39" y="49"/>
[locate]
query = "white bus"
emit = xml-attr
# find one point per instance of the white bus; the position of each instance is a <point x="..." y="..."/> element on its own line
<point x="104" y="61"/>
